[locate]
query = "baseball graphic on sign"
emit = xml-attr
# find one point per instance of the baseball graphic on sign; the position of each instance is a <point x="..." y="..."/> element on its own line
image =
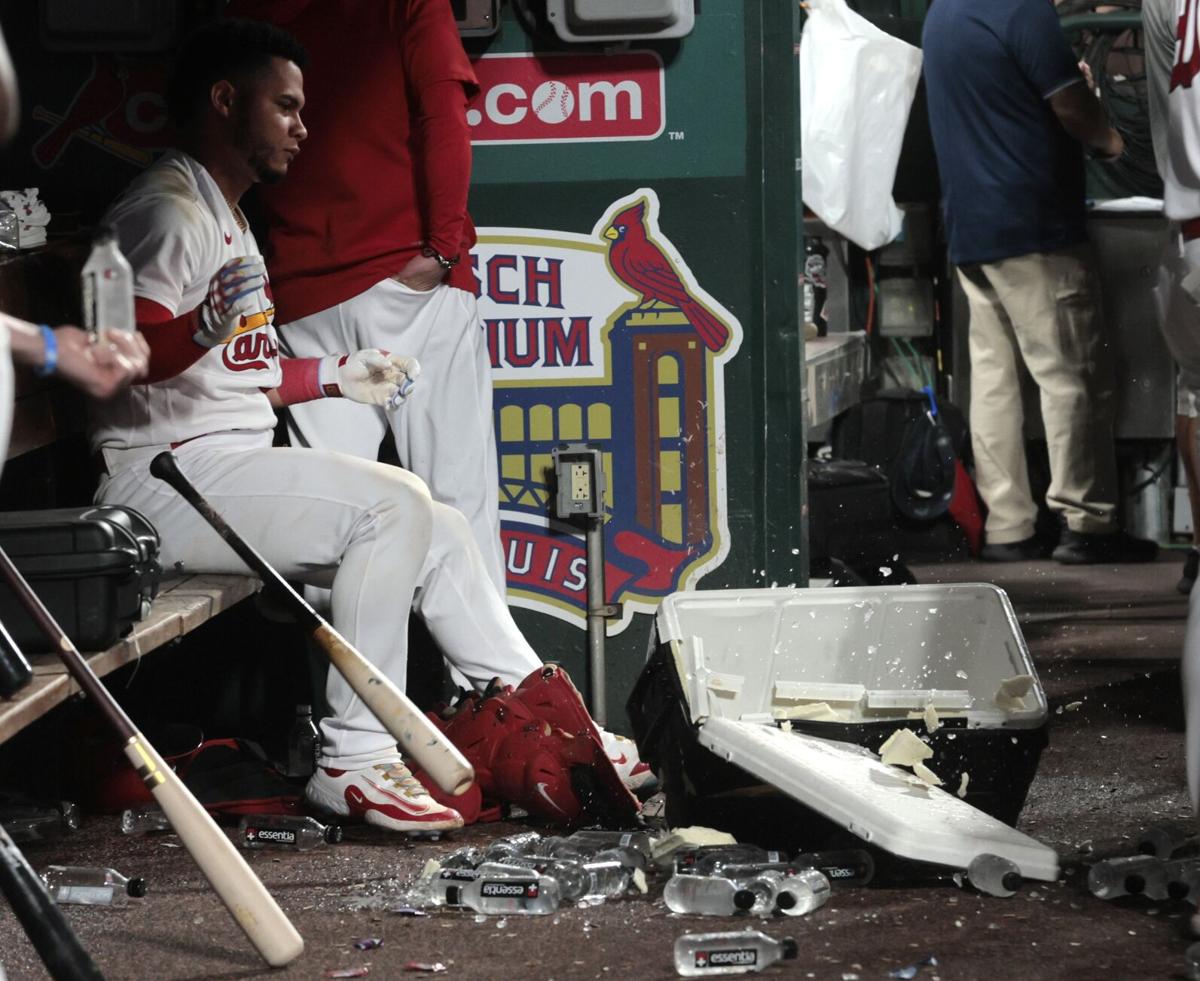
<point x="553" y="102"/>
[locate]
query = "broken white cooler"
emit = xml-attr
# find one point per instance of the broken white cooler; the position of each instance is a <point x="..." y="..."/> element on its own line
<point x="762" y="711"/>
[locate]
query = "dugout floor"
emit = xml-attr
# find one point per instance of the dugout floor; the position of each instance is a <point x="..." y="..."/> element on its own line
<point x="1108" y="638"/>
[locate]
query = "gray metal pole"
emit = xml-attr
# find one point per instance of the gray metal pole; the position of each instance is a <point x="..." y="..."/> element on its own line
<point x="597" y="617"/>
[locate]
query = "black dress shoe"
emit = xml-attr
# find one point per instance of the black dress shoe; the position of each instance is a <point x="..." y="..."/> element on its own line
<point x="1022" y="551"/>
<point x="1191" y="566"/>
<point x="1077" y="548"/>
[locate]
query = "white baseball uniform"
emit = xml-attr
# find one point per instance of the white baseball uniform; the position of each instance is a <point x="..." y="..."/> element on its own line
<point x="450" y="407"/>
<point x="369" y="532"/>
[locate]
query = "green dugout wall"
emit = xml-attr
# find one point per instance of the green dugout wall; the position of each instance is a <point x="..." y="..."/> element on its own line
<point x="639" y="254"/>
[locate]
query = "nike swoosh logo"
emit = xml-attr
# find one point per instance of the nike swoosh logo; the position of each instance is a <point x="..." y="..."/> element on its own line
<point x="228" y="239"/>
<point x="541" y="789"/>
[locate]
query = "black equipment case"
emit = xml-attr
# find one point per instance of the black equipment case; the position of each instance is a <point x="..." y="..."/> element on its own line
<point x="96" y="569"/>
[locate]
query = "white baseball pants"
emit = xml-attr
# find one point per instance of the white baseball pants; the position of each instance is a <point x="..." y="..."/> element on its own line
<point x="443" y="431"/>
<point x="368" y="531"/>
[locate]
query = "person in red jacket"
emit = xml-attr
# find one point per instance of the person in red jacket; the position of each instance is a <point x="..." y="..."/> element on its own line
<point x="369" y="241"/>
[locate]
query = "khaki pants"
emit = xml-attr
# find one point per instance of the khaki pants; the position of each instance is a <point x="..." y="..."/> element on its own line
<point x="1043" y="309"/>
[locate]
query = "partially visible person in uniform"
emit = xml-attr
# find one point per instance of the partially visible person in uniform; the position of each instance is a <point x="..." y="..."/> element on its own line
<point x="99" y="364"/>
<point x="1174" y="104"/>
<point x="1011" y="117"/>
<point x="1175" y="127"/>
<point x="369" y="243"/>
<point x="368" y="531"/>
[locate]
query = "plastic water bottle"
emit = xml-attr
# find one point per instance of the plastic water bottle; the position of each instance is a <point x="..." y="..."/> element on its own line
<point x="534" y="895"/>
<point x="994" y="875"/>
<point x="26" y="824"/>
<point x="602" y="840"/>
<point x="467" y="857"/>
<point x="706" y="895"/>
<point x="801" y="893"/>
<point x="708" y="859"/>
<point x="107" y="286"/>
<point x="143" y="820"/>
<point x="297" y="834"/>
<point x="90" y="886"/>
<point x="631" y="858"/>
<point x="521" y="844"/>
<point x="1183" y="879"/>
<point x="304" y="742"/>
<point x="849" y="867"/>
<point x="556" y="847"/>
<point x="1135" y="875"/>
<point x="698" y="954"/>
<point x="1163" y="842"/>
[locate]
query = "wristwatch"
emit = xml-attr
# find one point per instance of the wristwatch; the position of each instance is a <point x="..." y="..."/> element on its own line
<point x="443" y="261"/>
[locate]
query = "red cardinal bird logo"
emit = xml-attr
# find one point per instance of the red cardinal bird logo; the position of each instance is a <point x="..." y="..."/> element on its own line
<point x="642" y="266"/>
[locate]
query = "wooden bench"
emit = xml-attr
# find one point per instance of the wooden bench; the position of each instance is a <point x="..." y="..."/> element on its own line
<point x="42" y="285"/>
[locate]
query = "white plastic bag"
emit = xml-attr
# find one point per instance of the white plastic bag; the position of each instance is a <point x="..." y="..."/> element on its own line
<point x="856" y="88"/>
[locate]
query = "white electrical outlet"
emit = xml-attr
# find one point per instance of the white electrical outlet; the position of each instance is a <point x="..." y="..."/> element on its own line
<point x="581" y="482"/>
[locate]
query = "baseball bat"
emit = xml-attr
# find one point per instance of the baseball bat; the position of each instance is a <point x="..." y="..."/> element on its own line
<point x="42" y="920"/>
<point x="252" y="907"/>
<point x="417" y="736"/>
<point x="15" y="672"/>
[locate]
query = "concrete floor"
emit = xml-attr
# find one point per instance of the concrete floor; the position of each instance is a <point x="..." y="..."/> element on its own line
<point x="1108" y="638"/>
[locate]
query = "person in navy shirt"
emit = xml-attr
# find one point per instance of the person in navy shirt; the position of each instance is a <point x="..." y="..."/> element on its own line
<point x="1011" y="115"/>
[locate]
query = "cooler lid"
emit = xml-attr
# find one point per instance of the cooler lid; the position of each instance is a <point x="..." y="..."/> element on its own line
<point x="882" y="804"/>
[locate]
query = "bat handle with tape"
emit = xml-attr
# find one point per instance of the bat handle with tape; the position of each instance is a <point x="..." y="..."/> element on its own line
<point x="252" y="907"/>
<point x="43" y="922"/>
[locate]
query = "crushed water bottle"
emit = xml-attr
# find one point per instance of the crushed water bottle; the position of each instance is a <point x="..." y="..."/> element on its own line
<point x="297" y="834"/>
<point x="86" y="886"/>
<point x="994" y="875"/>
<point x="527" y="894"/>
<point x="107" y="282"/>
<point x="802" y="892"/>
<point x="630" y="857"/>
<point x="143" y="820"/>
<point x="1135" y="875"/>
<point x="304" y="743"/>
<point x="556" y="847"/>
<point x="698" y="954"/>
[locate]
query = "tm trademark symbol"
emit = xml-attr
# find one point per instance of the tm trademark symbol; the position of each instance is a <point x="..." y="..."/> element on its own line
<point x="677" y="134"/>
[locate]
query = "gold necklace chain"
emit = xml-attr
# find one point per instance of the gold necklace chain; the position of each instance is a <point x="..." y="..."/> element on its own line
<point x="237" y="215"/>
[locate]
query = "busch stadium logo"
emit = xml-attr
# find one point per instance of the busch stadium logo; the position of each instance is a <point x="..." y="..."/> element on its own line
<point x="546" y="98"/>
<point x="607" y="339"/>
<point x="744" y="957"/>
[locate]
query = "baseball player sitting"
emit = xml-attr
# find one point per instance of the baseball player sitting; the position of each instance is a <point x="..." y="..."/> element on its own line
<point x="368" y="531"/>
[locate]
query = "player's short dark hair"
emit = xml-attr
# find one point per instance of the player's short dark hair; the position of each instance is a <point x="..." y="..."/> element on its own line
<point x="225" y="49"/>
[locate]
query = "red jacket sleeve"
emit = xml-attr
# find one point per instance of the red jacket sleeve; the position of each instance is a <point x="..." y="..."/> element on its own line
<point x="445" y="147"/>
<point x="440" y="82"/>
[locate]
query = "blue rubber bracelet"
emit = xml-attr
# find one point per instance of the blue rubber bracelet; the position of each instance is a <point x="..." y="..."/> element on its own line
<point x="50" y="365"/>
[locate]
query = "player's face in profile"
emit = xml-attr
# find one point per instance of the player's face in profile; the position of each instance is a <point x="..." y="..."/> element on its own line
<point x="268" y="129"/>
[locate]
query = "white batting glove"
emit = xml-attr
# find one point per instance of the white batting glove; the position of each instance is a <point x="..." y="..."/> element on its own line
<point x="371" y="376"/>
<point x="236" y="291"/>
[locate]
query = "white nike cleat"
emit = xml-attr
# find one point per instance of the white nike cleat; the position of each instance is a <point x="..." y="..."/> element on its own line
<point x="385" y="795"/>
<point x="623" y="754"/>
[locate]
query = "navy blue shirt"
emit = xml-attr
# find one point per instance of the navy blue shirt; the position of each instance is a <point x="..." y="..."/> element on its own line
<point x="1012" y="179"/>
